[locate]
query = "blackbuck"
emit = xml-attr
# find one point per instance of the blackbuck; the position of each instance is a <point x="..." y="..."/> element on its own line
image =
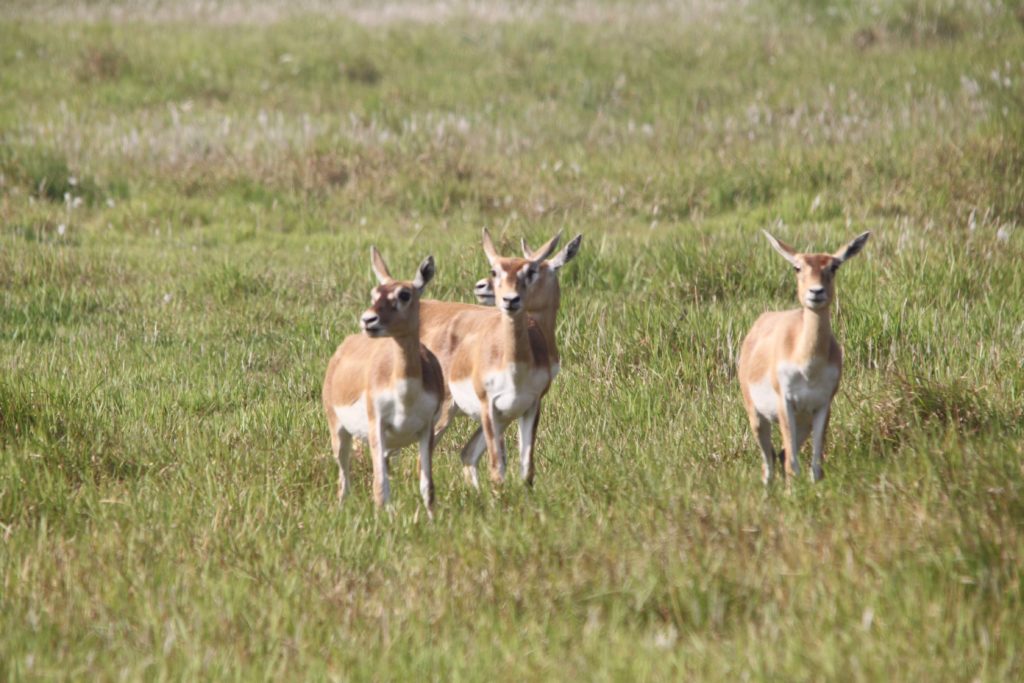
<point x="444" y="325"/>
<point x="499" y="364"/>
<point x="790" y="362"/>
<point x="384" y="386"/>
<point x="484" y="291"/>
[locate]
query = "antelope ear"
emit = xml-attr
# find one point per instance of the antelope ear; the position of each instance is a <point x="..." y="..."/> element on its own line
<point x="851" y="249"/>
<point x="784" y="249"/>
<point x="380" y="269"/>
<point x="567" y="254"/>
<point x="424" y="275"/>
<point x="489" y="251"/>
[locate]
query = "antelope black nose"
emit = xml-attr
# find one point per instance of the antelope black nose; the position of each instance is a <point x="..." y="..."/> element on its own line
<point x="370" y="319"/>
<point x="483" y="286"/>
<point x="816" y="291"/>
<point x="511" y="299"/>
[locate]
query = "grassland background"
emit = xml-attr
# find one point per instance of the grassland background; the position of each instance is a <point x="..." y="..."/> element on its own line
<point x="187" y="196"/>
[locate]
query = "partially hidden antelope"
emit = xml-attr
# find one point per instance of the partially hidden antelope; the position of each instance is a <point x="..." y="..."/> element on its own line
<point x="790" y="362"/>
<point x="384" y="386"/>
<point x="500" y="366"/>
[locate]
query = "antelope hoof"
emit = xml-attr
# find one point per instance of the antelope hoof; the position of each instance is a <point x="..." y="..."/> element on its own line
<point x="470" y="475"/>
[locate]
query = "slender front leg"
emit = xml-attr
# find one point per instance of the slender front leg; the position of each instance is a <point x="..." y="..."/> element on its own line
<point x="378" y="453"/>
<point x="494" y="433"/>
<point x="528" y="422"/>
<point x="789" y="429"/>
<point x="799" y="429"/>
<point x="819" y="427"/>
<point x="426" y="472"/>
<point x="341" y="443"/>
<point x="763" y="431"/>
<point x="446" y="418"/>
<point x="471" y="453"/>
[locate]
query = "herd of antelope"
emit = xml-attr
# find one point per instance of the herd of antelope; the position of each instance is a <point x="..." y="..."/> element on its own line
<point x="422" y="362"/>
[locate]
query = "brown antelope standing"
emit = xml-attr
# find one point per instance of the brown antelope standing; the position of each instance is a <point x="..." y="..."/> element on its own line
<point x="499" y="363"/>
<point x="384" y="386"/>
<point x="790" y="363"/>
<point x="444" y="324"/>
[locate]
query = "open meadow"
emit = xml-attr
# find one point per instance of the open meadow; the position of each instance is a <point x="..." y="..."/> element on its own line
<point x="188" y="195"/>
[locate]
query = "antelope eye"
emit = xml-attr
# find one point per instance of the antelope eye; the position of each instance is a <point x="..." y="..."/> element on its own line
<point x="493" y="273"/>
<point x="404" y="296"/>
<point x="796" y="268"/>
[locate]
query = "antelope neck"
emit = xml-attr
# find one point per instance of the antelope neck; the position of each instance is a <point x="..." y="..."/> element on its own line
<point x="515" y="340"/>
<point x="406" y="353"/>
<point x="545" y="320"/>
<point x="815" y="333"/>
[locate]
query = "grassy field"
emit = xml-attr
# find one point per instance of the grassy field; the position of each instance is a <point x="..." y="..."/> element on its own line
<point x="188" y="193"/>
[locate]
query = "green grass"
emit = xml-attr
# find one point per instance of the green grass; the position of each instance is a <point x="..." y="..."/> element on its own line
<point x="187" y="198"/>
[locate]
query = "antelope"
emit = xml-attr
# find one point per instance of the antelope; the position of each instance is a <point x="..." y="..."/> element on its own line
<point x="484" y="290"/>
<point x="384" y="386"/>
<point x="544" y="300"/>
<point x="790" y="362"/>
<point x="500" y="368"/>
<point x="443" y="325"/>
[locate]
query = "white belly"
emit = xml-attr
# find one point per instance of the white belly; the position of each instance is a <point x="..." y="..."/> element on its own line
<point x="766" y="402"/>
<point x="810" y="388"/>
<point x="353" y="419"/>
<point x="465" y="397"/>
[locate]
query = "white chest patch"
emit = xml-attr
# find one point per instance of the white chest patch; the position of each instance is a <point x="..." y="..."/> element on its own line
<point x="404" y="411"/>
<point x="808" y="388"/>
<point x="515" y="388"/>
